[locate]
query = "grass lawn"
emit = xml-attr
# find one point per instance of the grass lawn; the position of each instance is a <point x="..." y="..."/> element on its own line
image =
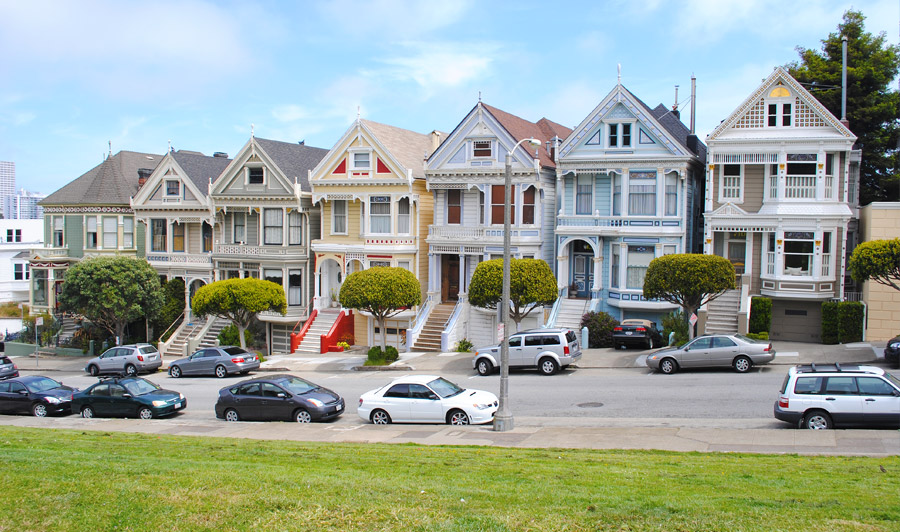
<point x="71" y="480"/>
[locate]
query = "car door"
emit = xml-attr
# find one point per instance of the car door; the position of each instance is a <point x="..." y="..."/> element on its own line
<point x="533" y="345"/>
<point x="397" y="402"/>
<point x="425" y="405"/>
<point x="515" y="351"/>
<point x="723" y="351"/>
<point x="696" y="353"/>
<point x="880" y="402"/>
<point x="276" y="403"/>
<point x="98" y="399"/>
<point x="842" y="400"/>
<point x="107" y="360"/>
<point x="5" y="398"/>
<point x="20" y="401"/>
<point x="119" y="404"/>
<point x="204" y="363"/>
<point x="248" y="401"/>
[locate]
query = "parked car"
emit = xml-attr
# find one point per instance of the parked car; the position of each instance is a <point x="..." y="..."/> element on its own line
<point x="128" y="359"/>
<point x="278" y="398"/>
<point x="36" y="395"/>
<point x="824" y="396"/>
<point x="637" y="332"/>
<point x="892" y="351"/>
<point x="549" y="350"/>
<point x="714" y="350"/>
<point x="426" y="399"/>
<point x="8" y="368"/>
<point x="219" y="361"/>
<point x="127" y="397"/>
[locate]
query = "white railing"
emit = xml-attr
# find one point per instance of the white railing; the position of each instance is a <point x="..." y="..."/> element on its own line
<point x="770" y="263"/>
<point x="447" y="331"/>
<point x="800" y="187"/>
<point x="829" y="187"/>
<point x="180" y="258"/>
<point x="258" y="251"/>
<point x="609" y="221"/>
<point x="460" y="233"/>
<point x="412" y="334"/>
<point x="826" y="265"/>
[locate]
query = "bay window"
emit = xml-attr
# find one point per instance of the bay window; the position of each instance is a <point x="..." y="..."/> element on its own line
<point x="273" y="226"/>
<point x="454" y="206"/>
<point x="528" y="206"/>
<point x="128" y="233"/>
<point x="339" y="217"/>
<point x="403" y="216"/>
<point x="732" y="175"/>
<point x="671" y="194"/>
<point x="639" y="258"/>
<point x="110" y="232"/>
<point x="642" y="193"/>
<point x="798" y="252"/>
<point x="614" y="266"/>
<point x="158" y="235"/>
<point x="295" y="288"/>
<point x="497" y="203"/>
<point x="178" y="237"/>
<point x="584" y="194"/>
<point x="380" y="214"/>
<point x="295" y="228"/>
<point x="90" y="239"/>
<point x="239" y="225"/>
<point x="58" y="231"/>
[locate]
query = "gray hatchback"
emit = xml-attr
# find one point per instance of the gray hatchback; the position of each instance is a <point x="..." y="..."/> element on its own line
<point x="128" y="359"/>
<point x="219" y="361"/>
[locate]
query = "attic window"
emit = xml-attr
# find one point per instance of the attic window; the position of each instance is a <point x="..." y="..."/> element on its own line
<point x="255" y="176"/>
<point x="481" y="148"/>
<point x="172" y="188"/>
<point x="361" y="161"/>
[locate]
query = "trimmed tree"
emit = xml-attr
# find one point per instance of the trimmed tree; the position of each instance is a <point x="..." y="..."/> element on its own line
<point x="381" y="291"/>
<point x="239" y="300"/>
<point x="531" y="286"/>
<point x="112" y="292"/>
<point x="877" y="260"/>
<point x="688" y="280"/>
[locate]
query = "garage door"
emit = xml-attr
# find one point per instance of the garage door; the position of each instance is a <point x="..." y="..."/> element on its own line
<point x="796" y="321"/>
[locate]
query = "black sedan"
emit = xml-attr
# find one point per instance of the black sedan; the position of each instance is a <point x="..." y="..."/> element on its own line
<point x="892" y="351"/>
<point x="278" y="398"/>
<point x="127" y="397"/>
<point x="37" y="395"/>
<point x="637" y="332"/>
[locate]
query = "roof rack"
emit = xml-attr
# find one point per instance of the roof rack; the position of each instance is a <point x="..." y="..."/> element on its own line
<point x="831" y="367"/>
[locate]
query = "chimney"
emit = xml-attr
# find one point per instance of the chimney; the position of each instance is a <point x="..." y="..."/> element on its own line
<point x="220" y="154"/>
<point x="143" y="175"/>
<point x="435" y="140"/>
<point x="675" y="112"/>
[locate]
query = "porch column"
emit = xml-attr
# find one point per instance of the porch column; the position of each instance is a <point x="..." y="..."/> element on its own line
<point x="562" y="270"/>
<point x="462" y="274"/>
<point x="598" y="274"/>
<point x="317" y="287"/>
<point x="187" y="300"/>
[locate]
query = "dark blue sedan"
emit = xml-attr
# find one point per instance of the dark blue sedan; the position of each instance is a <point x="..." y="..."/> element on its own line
<point x="35" y="395"/>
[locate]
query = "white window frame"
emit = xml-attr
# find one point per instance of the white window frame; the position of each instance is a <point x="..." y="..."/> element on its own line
<point x="276" y="228"/>
<point x="381" y="217"/>
<point x="169" y="193"/>
<point x="352" y="162"/>
<point x="295" y="229"/>
<point x="91" y="224"/>
<point x="651" y="249"/>
<point x="59" y="231"/>
<point x="127" y="233"/>
<point x="21" y="271"/>
<point x="490" y="148"/>
<point x="234" y="227"/>
<point x="620" y="135"/>
<point x="255" y="167"/>
<point x="404" y="219"/>
<point x="342" y="216"/>
<point x="723" y="188"/>
<point x="110" y="226"/>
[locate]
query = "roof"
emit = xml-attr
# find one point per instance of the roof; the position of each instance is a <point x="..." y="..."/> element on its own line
<point x="677" y="129"/>
<point x="408" y="147"/>
<point x="294" y="160"/>
<point x="112" y="182"/>
<point x="201" y="169"/>
<point x="543" y="130"/>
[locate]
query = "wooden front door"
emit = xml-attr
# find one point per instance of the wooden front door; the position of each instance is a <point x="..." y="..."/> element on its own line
<point x="449" y="277"/>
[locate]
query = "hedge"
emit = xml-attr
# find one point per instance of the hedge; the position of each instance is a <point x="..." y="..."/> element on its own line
<point x="842" y="322"/>
<point x="760" y="315"/>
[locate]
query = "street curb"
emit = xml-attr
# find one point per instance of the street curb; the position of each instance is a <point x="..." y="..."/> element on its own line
<point x="398" y="367"/>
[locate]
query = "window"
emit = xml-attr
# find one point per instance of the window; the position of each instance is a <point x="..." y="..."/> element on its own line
<point x="158" y="235"/>
<point x="58" y="231"/>
<point x="614" y="267"/>
<point x="773" y="180"/>
<point x="584" y="194"/>
<point x="642" y="193"/>
<point x="379" y="264"/>
<point x="173" y="188"/>
<point x="339" y="217"/>
<point x="403" y="216"/>
<point x="481" y="207"/>
<point x="639" y="258"/>
<point x="497" y="202"/>
<point x="273" y="226"/>
<point x="361" y="161"/>
<point x="626" y="135"/>
<point x="672" y="194"/>
<point x="731" y="181"/>
<point x="13" y="235"/>
<point x="829" y="176"/>
<point x="274" y="276"/>
<point x="800" y="181"/>
<point x="21" y="272"/>
<point x="398" y="390"/>
<point x="128" y="233"/>
<point x="826" y="254"/>
<point x="255" y="176"/>
<point x="178" y="237"/>
<point x="874" y="386"/>
<point x="617" y="195"/>
<point x="207" y="237"/>
<point x="90" y="240"/>
<point x="239" y="221"/>
<point x="295" y="229"/>
<point x="110" y="232"/>
<point x="380" y="214"/>
<point x="481" y="148"/>
<point x="798" y="252"/>
<point x="528" y="206"/>
<point x="777" y="110"/>
<point x="405" y="264"/>
<point x="39" y="287"/>
<point x="613" y="135"/>
<point x="840" y="386"/>
<point x="454" y="206"/>
<point x="670" y="249"/>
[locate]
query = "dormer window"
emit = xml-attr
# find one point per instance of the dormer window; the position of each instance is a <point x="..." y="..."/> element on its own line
<point x="481" y="148"/>
<point x="255" y="176"/>
<point x="361" y="161"/>
<point x="619" y="135"/>
<point x="173" y="188"/>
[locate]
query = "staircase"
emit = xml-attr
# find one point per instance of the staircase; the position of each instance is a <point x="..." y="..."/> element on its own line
<point x="722" y="313"/>
<point x="189" y="330"/>
<point x="570" y="313"/>
<point x="312" y="342"/>
<point x="430" y="337"/>
<point x="212" y="335"/>
<point x="67" y="329"/>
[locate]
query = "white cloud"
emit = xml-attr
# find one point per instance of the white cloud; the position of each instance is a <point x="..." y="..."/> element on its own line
<point x="392" y="19"/>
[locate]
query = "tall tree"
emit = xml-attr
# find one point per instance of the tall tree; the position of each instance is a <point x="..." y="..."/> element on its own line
<point x="382" y="292"/>
<point x="531" y="286"/>
<point x="112" y="291"/>
<point x="239" y="300"/>
<point x="872" y="102"/>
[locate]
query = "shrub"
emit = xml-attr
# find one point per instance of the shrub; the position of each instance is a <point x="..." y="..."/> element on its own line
<point x="346" y="338"/>
<point x="343" y="345"/>
<point x="675" y="322"/>
<point x="229" y="336"/>
<point x="758" y="336"/>
<point x="464" y="346"/>
<point x="600" y="328"/>
<point x="842" y="322"/>
<point x="377" y="357"/>
<point x="760" y="315"/>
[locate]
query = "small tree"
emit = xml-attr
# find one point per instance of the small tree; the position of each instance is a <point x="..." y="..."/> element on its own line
<point x="688" y="280"/>
<point x="112" y="291"/>
<point x="382" y="292"/>
<point x="239" y="300"/>
<point x="531" y="286"/>
<point x="877" y="260"/>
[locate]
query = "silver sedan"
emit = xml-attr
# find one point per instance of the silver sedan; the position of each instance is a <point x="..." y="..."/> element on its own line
<point x="722" y="350"/>
<point x="219" y="361"/>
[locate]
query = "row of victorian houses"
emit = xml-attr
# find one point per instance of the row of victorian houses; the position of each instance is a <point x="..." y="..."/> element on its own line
<point x="773" y="190"/>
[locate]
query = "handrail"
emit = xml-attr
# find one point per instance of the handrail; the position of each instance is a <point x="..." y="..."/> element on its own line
<point x="343" y="324"/>
<point x="422" y="315"/>
<point x="554" y="312"/>
<point x="451" y="323"/>
<point x="180" y="317"/>
<point x="305" y="314"/>
<point x="305" y="329"/>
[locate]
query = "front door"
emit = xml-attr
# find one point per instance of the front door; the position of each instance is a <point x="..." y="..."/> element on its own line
<point x="737" y="251"/>
<point x="583" y="274"/>
<point x="449" y="277"/>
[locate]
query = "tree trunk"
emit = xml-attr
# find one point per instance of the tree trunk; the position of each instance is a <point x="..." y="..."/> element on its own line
<point x="241" y="329"/>
<point x="688" y="312"/>
<point x="120" y="332"/>
<point x="383" y="334"/>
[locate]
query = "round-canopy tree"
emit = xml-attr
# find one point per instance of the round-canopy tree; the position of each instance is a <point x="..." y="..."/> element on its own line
<point x="382" y="292"/>
<point x="531" y="285"/>
<point x="877" y="260"/>
<point x="239" y="300"/>
<point x="688" y="280"/>
<point x="112" y="292"/>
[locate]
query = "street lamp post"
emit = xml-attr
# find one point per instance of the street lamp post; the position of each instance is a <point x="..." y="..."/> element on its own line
<point x="503" y="419"/>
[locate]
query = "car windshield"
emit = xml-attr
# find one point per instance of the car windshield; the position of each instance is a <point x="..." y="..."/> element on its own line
<point x="140" y="387"/>
<point x="298" y="385"/>
<point x="42" y="384"/>
<point x="444" y="388"/>
<point x="893" y="379"/>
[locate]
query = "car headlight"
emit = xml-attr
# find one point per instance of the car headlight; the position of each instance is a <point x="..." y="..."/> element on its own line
<point x="316" y="402"/>
<point x="653" y="357"/>
<point x="894" y="345"/>
<point x="159" y="403"/>
<point x="52" y="400"/>
<point x="482" y="407"/>
<point x="181" y="397"/>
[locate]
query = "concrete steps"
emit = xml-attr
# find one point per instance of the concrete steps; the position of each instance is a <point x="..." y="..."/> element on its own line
<point x="571" y="312"/>
<point x="722" y="313"/>
<point x="429" y="338"/>
<point x="312" y="344"/>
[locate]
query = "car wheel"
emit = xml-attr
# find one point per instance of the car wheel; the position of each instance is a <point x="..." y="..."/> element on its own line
<point x="232" y="415"/>
<point x="175" y="372"/>
<point x="668" y="366"/>
<point x="302" y="416"/>
<point x="457" y="417"/>
<point x="39" y="410"/>
<point x="742" y="364"/>
<point x="221" y="372"/>
<point x="130" y="370"/>
<point x="93" y="370"/>
<point x="548" y="366"/>
<point x="87" y="412"/>
<point x="145" y="413"/>
<point x="380" y="417"/>
<point x="484" y="367"/>
<point x="817" y="420"/>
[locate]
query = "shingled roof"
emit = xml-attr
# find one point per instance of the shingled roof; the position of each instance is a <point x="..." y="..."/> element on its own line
<point x="677" y="129"/>
<point x="112" y="182"/>
<point x="201" y="169"/>
<point x="408" y="147"/>
<point x="294" y="160"/>
<point x="543" y="130"/>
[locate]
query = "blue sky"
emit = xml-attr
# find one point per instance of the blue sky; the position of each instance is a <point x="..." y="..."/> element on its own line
<point x="77" y="75"/>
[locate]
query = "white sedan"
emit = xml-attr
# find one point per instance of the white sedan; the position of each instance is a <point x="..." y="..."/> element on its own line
<point x="426" y="399"/>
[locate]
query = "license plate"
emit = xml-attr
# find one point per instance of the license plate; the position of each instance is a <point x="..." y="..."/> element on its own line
<point x="177" y="406"/>
<point x="628" y="333"/>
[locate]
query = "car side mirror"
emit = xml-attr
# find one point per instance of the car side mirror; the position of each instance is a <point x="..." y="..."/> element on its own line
<point x="23" y="392"/>
<point x="126" y="396"/>
<point x="433" y="397"/>
<point x="281" y="395"/>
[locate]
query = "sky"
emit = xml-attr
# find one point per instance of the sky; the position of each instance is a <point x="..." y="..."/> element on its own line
<point x="77" y="77"/>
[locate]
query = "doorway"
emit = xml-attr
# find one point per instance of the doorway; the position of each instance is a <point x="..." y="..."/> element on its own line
<point x="449" y="277"/>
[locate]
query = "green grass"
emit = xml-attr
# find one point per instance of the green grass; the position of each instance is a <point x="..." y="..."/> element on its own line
<point x="71" y="480"/>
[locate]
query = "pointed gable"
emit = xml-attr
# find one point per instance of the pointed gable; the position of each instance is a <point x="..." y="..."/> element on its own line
<point x="112" y="182"/>
<point x="269" y="167"/>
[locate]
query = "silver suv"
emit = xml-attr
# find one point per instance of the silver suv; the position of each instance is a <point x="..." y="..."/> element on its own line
<point x="128" y="359"/>
<point x="823" y="396"/>
<point x="549" y="350"/>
